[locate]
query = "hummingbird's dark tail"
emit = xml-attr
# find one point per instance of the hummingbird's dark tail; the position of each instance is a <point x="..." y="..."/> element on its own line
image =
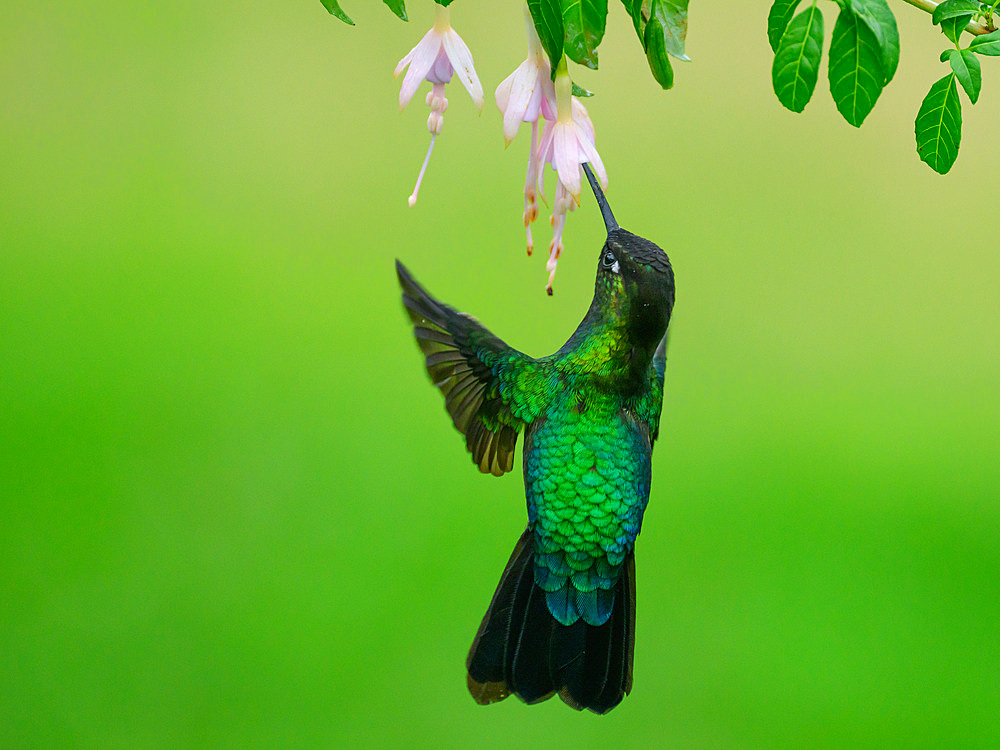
<point x="522" y="649"/>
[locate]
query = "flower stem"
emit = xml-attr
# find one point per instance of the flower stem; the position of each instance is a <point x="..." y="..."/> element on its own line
<point x="930" y="5"/>
<point x="442" y="18"/>
<point x="564" y="92"/>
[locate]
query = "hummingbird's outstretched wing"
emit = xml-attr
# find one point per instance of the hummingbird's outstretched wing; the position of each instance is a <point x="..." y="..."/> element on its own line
<point x="480" y="376"/>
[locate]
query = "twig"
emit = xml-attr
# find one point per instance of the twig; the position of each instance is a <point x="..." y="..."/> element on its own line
<point x="930" y="5"/>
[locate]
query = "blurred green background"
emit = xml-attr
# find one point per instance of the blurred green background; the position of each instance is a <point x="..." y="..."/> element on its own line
<point x="234" y="511"/>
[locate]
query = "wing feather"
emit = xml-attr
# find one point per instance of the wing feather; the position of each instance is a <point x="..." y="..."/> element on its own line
<point x="477" y="373"/>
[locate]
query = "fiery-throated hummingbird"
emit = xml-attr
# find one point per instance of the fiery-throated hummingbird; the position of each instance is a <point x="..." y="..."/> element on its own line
<point x="562" y="619"/>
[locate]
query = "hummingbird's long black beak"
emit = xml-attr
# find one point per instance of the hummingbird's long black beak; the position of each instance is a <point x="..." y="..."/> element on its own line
<point x="609" y="218"/>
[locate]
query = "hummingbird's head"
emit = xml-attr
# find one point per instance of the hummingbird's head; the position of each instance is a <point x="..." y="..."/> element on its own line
<point x="634" y="278"/>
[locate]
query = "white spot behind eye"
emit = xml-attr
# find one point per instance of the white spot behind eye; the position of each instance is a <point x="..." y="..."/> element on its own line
<point x="615" y="267"/>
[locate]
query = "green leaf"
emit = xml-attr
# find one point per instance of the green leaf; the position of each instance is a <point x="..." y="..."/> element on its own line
<point x="334" y="8"/>
<point x="879" y="18"/>
<point x="673" y="18"/>
<point x="777" y="20"/>
<point x="954" y="9"/>
<point x="443" y="3"/>
<point x="856" y="75"/>
<point x="581" y="91"/>
<point x="398" y="7"/>
<point x="547" y="17"/>
<point x="656" y="54"/>
<point x="661" y="26"/>
<point x="583" y="23"/>
<point x="634" y="10"/>
<point x="939" y="125"/>
<point x="953" y="27"/>
<point x="796" y="63"/>
<point x="987" y="44"/>
<point x="967" y="70"/>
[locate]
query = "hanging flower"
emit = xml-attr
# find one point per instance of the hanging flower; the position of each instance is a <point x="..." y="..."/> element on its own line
<point x="569" y="142"/>
<point x="439" y="55"/>
<point x="566" y="143"/>
<point x="524" y="96"/>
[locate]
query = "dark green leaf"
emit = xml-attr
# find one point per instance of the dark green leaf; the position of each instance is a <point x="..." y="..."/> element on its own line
<point x="656" y="54"/>
<point x="967" y="70"/>
<point x="583" y="23"/>
<point x="661" y="26"/>
<point x="954" y="9"/>
<point x="334" y="8"/>
<point x="581" y="91"/>
<point x="856" y="75"/>
<point x="939" y="125"/>
<point x="547" y="17"/>
<point x="634" y="10"/>
<point x="879" y="18"/>
<point x="398" y="7"/>
<point x="444" y="3"/>
<point x="796" y="63"/>
<point x="777" y="20"/>
<point x="673" y="18"/>
<point x="987" y="44"/>
<point x="953" y="27"/>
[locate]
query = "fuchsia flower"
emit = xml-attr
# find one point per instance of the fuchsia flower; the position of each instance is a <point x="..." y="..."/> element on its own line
<point x="569" y="142"/>
<point x="435" y="58"/>
<point x="524" y="96"/>
<point x="566" y="144"/>
<point x="567" y="139"/>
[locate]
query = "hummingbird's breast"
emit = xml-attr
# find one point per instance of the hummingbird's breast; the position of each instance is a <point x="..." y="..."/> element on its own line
<point x="587" y="477"/>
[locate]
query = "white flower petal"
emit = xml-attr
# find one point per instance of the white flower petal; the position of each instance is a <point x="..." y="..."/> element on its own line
<point x="461" y="60"/>
<point x="421" y="59"/>
<point x="534" y="109"/>
<point x="502" y="94"/>
<point x="582" y="117"/>
<point x="590" y="152"/>
<point x="544" y="156"/>
<point x="522" y="90"/>
<point x="566" y="157"/>
<point x="405" y="61"/>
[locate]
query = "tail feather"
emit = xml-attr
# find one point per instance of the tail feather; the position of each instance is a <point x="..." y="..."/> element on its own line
<point x="528" y="675"/>
<point x="522" y="649"/>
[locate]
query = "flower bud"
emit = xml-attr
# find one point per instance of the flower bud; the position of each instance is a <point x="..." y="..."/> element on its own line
<point x="435" y="123"/>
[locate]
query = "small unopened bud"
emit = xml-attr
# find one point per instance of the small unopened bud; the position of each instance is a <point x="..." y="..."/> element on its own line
<point x="435" y="123"/>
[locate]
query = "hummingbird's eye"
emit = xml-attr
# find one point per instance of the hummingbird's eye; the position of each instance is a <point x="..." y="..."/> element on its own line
<point x="608" y="261"/>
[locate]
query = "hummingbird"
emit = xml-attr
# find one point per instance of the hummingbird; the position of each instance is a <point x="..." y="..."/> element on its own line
<point x="562" y="619"/>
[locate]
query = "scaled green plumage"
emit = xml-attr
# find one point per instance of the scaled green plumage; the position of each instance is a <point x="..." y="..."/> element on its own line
<point x="562" y="619"/>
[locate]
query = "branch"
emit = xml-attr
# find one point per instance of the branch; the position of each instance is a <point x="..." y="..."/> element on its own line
<point x="930" y="5"/>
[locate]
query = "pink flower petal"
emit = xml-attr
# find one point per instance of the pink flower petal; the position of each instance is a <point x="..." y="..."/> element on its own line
<point x="566" y="157"/>
<point x="582" y="118"/>
<point x="502" y="94"/>
<point x="461" y="60"/>
<point x="544" y="156"/>
<point x="590" y="152"/>
<point x="534" y="109"/>
<point x="401" y="65"/>
<point x="421" y="59"/>
<point x="522" y="89"/>
<point x="441" y="71"/>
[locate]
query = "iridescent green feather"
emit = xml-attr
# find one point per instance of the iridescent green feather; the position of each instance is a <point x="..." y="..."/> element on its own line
<point x="490" y="389"/>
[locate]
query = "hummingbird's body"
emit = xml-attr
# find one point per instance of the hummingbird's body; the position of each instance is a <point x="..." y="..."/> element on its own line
<point x="563" y="616"/>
